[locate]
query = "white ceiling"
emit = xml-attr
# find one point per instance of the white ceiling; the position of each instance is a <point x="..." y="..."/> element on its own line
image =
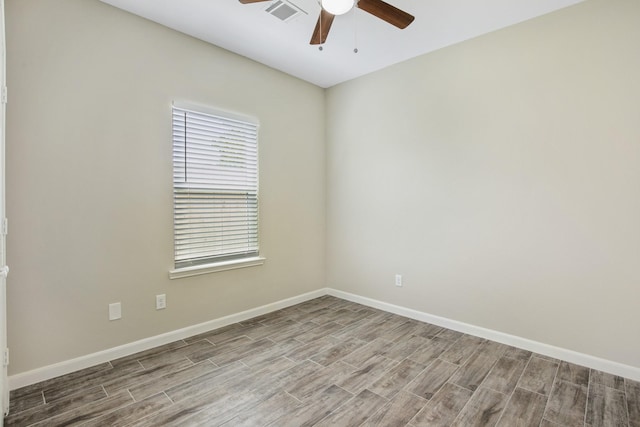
<point x="249" y="31"/>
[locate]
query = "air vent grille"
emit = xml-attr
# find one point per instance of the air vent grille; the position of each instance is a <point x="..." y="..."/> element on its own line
<point x="284" y="10"/>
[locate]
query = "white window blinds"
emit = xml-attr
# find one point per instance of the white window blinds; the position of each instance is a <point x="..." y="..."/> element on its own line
<point x="215" y="188"/>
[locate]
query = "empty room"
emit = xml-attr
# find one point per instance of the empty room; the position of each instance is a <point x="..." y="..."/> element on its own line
<point x="320" y="213"/>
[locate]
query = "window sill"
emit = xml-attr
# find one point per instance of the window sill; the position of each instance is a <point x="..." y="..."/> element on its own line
<point x="196" y="270"/>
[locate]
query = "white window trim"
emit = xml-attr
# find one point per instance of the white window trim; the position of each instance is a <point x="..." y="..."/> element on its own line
<point x="200" y="108"/>
<point x="234" y="264"/>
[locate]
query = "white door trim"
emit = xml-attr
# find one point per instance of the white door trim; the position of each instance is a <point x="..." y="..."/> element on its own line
<point x="4" y="355"/>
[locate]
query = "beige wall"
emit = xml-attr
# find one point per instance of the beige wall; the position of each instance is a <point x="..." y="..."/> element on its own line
<point x="89" y="179"/>
<point x="501" y="177"/>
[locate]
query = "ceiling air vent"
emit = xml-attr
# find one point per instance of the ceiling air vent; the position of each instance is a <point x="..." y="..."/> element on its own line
<point x="284" y="10"/>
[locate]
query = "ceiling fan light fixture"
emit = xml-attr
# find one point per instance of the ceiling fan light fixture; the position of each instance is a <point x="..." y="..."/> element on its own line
<point x="337" y="7"/>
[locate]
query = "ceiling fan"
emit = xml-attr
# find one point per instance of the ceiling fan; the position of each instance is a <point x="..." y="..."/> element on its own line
<point x="331" y="8"/>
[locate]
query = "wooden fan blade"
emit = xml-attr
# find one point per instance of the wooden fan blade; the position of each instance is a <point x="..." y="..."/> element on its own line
<point x="386" y="12"/>
<point x="322" y="27"/>
<point x="252" y="1"/>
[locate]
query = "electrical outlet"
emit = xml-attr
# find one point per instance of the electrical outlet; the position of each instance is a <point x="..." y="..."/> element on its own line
<point x="161" y="302"/>
<point x="398" y="279"/>
<point x="115" y="311"/>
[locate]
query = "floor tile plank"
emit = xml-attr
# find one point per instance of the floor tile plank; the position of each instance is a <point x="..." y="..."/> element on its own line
<point x="400" y="349"/>
<point x="632" y="389"/>
<point x="26" y="401"/>
<point x="280" y="349"/>
<point x="462" y="350"/>
<point x="449" y="335"/>
<point x="567" y="404"/>
<point x="66" y="386"/>
<point x="517" y="353"/>
<point x="472" y="373"/>
<point x="610" y="380"/>
<point x="224" y="410"/>
<point x="179" y="412"/>
<point x="149" y="353"/>
<point x="261" y="331"/>
<point x="310" y="413"/>
<point x="405" y="330"/>
<point x="312" y="348"/>
<point x="376" y="329"/>
<point x="573" y="373"/>
<point x="352" y="329"/>
<point x="483" y="409"/>
<point x="398" y="412"/>
<point x="241" y="351"/>
<point x="354" y="412"/>
<point x="319" y="332"/>
<point x="219" y="335"/>
<point x="606" y="406"/>
<point x="88" y="412"/>
<point x="524" y="408"/>
<point x="208" y="381"/>
<point x="443" y="407"/>
<point x="539" y="375"/>
<point x="368" y="350"/>
<point x="143" y="390"/>
<point x="350" y="317"/>
<point x="427" y="330"/>
<point x="266" y="411"/>
<point x="396" y="378"/>
<point x="505" y="375"/>
<point x="50" y="410"/>
<point x="132" y="412"/>
<point x="282" y="373"/>
<point x="428" y="352"/>
<point x="432" y="378"/>
<point x="141" y="377"/>
<point x="219" y="349"/>
<point x="337" y="352"/>
<point x="365" y="375"/>
<point x="310" y="385"/>
<point x="178" y="354"/>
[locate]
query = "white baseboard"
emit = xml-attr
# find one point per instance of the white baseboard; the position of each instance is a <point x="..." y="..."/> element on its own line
<point x="582" y="359"/>
<point x="62" y="368"/>
<point x="68" y="366"/>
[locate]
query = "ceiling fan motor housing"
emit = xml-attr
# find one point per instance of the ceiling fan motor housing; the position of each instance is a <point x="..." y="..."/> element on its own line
<point x="337" y="7"/>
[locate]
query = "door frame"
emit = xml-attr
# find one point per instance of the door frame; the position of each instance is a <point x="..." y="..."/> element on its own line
<point x="4" y="352"/>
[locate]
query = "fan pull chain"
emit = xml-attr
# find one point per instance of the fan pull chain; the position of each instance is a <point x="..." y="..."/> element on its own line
<point x="320" y="19"/>
<point x="355" y="27"/>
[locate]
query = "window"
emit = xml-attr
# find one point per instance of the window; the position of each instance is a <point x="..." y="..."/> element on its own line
<point x="215" y="188"/>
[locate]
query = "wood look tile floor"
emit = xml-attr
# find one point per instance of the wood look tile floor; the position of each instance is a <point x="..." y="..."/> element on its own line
<point x="330" y="362"/>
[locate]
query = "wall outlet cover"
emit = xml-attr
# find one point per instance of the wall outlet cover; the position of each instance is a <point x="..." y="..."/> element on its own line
<point x="115" y="311"/>
<point x="161" y="301"/>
